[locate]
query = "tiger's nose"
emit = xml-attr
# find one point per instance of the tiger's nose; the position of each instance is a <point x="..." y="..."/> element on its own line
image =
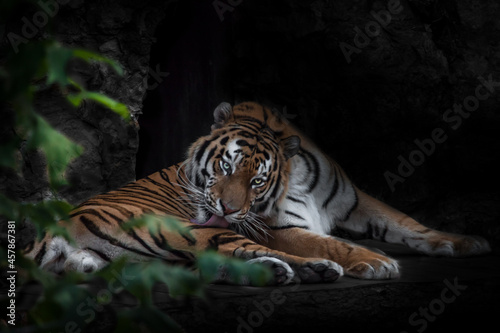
<point x="227" y="208"/>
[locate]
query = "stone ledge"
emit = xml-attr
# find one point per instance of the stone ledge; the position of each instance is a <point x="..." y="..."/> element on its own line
<point x="437" y="293"/>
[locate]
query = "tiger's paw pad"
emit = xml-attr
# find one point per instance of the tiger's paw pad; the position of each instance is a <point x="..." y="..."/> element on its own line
<point x="374" y="269"/>
<point x="283" y="273"/>
<point x="320" y="271"/>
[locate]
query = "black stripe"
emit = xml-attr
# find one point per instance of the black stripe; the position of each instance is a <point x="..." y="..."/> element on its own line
<point x="99" y="253"/>
<point x="288" y="227"/>
<point x="210" y="154"/>
<point x="246" y="134"/>
<point x="201" y="151"/>
<point x="163" y="244"/>
<point x="277" y="183"/>
<point x="142" y="242"/>
<point x="244" y="143"/>
<point x="29" y="247"/>
<point x="315" y="170"/>
<point x="353" y="207"/>
<point x="90" y="211"/>
<point x="249" y="126"/>
<point x="262" y="207"/>
<point x="334" y="190"/>
<point x="198" y="182"/>
<point x="189" y="240"/>
<point x="97" y="232"/>
<point x="219" y="239"/>
<point x="135" y="201"/>
<point x="266" y="155"/>
<point x="40" y="254"/>
<point x="160" y="242"/>
<point x="294" y="214"/>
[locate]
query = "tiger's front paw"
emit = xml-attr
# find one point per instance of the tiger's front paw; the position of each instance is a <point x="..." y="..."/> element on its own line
<point x="451" y="245"/>
<point x="376" y="267"/>
<point x="319" y="271"/>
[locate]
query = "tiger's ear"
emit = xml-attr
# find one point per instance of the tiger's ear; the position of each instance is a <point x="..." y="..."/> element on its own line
<point x="221" y="114"/>
<point x="291" y="146"/>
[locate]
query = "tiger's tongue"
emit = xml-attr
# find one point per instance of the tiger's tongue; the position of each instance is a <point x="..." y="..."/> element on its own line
<point x="214" y="221"/>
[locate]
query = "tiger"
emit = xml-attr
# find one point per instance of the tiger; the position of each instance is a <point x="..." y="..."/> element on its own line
<point x="254" y="188"/>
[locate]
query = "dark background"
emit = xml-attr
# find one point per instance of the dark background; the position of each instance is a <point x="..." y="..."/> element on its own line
<point x="365" y="113"/>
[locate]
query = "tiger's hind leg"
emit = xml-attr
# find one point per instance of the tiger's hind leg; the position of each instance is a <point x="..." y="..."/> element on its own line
<point x="56" y="255"/>
<point x="374" y="219"/>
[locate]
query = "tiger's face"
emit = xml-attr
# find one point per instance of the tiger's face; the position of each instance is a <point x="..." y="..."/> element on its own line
<point x="237" y="173"/>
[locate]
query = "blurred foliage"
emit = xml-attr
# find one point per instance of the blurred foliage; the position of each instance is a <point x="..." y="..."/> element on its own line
<point x="65" y="304"/>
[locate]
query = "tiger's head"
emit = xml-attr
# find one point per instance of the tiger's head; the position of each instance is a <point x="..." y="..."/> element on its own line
<point x="240" y="170"/>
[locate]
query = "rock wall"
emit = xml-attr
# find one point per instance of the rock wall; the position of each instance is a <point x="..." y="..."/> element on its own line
<point x="122" y="31"/>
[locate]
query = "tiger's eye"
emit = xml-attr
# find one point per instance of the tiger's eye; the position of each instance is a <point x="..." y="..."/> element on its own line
<point x="257" y="182"/>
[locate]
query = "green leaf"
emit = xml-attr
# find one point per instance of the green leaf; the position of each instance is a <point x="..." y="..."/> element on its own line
<point x="210" y="263"/>
<point x="45" y="216"/>
<point x="58" y="57"/>
<point x="89" y="56"/>
<point x="59" y="304"/>
<point x="57" y="61"/>
<point x="108" y="102"/>
<point x="140" y="278"/>
<point x="58" y="149"/>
